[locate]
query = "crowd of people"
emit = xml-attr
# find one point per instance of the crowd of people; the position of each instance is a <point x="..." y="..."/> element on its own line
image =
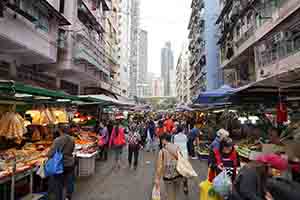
<point x="170" y="136"/>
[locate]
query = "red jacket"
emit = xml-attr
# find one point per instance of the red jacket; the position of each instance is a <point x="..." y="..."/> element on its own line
<point x="232" y="157"/>
<point x="117" y="140"/>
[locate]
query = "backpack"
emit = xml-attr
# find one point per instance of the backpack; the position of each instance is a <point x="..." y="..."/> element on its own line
<point x="170" y="165"/>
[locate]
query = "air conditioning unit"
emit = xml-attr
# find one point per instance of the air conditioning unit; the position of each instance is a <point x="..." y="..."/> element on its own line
<point x="278" y="37"/>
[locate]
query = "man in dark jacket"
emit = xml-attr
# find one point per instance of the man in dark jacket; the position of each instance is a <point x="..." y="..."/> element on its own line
<point x="66" y="145"/>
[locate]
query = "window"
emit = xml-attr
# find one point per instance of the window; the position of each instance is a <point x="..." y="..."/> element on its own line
<point x="62" y="6"/>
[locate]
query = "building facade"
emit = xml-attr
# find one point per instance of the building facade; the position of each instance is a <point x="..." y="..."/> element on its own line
<point x="259" y="40"/>
<point x="203" y="35"/>
<point x="68" y="45"/>
<point x="143" y="56"/>
<point x="157" y="86"/>
<point x="134" y="34"/>
<point x="167" y="65"/>
<point x="28" y="38"/>
<point x="182" y="77"/>
<point x="124" y="47"/>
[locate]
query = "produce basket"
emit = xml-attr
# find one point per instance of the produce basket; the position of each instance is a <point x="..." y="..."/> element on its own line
<point x="86" y="165"/>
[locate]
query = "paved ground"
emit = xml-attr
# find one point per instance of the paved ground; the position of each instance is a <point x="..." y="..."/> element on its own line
<point x="108" y="184"/>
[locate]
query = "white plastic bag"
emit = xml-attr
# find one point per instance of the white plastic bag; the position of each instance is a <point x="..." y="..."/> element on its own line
<point x="41" y="171"/>
<point x="222" y="184"/>
<point x="155" y="194"/>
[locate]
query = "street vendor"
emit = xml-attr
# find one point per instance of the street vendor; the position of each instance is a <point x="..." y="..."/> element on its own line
<point x="221" y="134"/>
<point x="225" y="158"/>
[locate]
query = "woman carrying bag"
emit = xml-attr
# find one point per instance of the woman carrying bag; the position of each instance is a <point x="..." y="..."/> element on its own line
<point x="117" y="141"/>
<point x="172" y="168"/>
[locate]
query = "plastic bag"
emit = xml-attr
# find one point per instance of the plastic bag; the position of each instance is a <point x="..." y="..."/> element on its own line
<point x="155" y="194"/>
<point x="55" y="165"/>
<point x="41" y="171"/>
<point x="222" y="184"/>
<point x="184" y="167"/>
<point x="207" y="191"/>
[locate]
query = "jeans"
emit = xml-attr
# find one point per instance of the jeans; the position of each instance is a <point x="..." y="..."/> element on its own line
<point x="133" y="151"/>
<point x="118" y="152"/>
<point x="103" y="152"/>
<point x="191" y="149"/>
<point x="150" y="146"/>
<point x="57" y="183"/>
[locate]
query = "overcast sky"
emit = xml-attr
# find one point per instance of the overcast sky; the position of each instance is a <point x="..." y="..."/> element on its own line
<point x="165" y="20"/>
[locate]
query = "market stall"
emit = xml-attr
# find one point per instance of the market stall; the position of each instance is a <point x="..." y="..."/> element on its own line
<point x="28" y="119"/>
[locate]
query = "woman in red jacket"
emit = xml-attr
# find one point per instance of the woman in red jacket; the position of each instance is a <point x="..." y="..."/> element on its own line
<point x="117" y="141"/>
<point x="225" y="158"/>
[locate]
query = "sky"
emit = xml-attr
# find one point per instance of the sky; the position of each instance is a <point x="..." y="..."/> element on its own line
<point x="165" y="20"/>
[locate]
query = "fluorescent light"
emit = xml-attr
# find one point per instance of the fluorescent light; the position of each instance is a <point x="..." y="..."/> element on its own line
<point x="242" y="119"/>
<point x="63" y="100"/>
<point x="42" y="98"/>
<point x="19" y="95"/>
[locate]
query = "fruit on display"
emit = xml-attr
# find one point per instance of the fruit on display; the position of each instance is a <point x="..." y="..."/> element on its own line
<point x="12" y="126"/>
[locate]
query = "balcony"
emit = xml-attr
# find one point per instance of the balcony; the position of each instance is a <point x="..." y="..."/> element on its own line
<point x="285" y="58"/>
<point x="27" y="34"/>
<point x="285" y="9"/>
<point x="87" y="16"/>
<point x="91" y="52"/>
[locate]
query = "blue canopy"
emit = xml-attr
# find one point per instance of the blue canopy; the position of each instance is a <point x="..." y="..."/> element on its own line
<point x="215" y="96"/>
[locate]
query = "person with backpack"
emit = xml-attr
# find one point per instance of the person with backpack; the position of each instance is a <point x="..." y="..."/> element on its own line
<point x="134" y="144"/>
<point x="117" y="141"/>
<point x="166" y="168"/>
<point x="66" y="145"/>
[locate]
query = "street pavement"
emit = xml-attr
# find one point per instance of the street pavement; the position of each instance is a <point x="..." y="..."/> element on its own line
<point x="127" y="184"/>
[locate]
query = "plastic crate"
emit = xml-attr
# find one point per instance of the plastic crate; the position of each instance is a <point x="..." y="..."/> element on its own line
<point x="86" y="166"/>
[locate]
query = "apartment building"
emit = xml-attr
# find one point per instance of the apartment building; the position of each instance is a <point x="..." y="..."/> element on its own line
<point x="204" y="51"/>
<point x="259" y="40"/>
<point x="124" y="46"/>
<point x="59" y="44"/>
<point x="134" y="29"/>
<point x="182" y="77"/>
<point x="29" y="38"/>
<point x="167" y="67"/>
<point x="88" y="59"/>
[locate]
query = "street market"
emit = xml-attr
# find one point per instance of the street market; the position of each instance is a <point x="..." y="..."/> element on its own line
<point x="150" y="100"/>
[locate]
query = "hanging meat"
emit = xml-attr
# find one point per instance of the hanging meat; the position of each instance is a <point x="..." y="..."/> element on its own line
<point x="12" y="126"/>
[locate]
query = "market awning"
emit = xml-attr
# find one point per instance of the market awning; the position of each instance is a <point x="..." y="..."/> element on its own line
<point x="215" y="96"/>
<point x="19" y="91"/>
<point x="285" y="86"/>
<point x="106" y="100"/>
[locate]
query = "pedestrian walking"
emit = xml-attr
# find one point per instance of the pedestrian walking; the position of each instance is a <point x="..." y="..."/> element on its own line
<point x="103" y="141"/>
<point x="180" y="139"/>
<point x="150" y="130"/>
<point x="134" y="144"/>
<point x="194" y="133"/>
<point x="117" y="141"/>
<point x="166" y="168"/>
<point x="57" y="183"/>
<point x="160" y="130"/>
